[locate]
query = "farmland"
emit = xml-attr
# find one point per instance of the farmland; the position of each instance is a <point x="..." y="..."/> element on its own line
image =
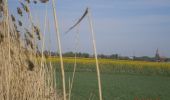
<point x="121" y="79"/>
<point x="36" y="35"/>
<point x="116" y="66"/>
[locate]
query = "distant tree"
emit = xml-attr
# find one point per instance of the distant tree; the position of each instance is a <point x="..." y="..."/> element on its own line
<point x="144" y="58"/>
<point x="69" y="54"/>
<point x="54" y="54"/>
<point x="102" y="56"/>
<point x="124" y="58"/>
<point x="114" y="56"/>
<point x="85" y="55"/>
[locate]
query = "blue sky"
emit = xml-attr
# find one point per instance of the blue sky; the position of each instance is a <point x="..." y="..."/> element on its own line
<point x="126" y="27"/>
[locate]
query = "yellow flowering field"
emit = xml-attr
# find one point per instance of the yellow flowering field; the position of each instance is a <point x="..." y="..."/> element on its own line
<point x="110" y="65"/>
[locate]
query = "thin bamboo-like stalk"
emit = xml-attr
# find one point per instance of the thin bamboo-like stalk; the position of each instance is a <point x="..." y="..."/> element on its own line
<point x="53" y="73"/>
<point x="53" y="70"/>
<point x="60" y="51"/>
<point x="42" y="72"/>
<point x="75" y="62"/>
<point x="95" y="53"/>
<point x="43" y="39"/>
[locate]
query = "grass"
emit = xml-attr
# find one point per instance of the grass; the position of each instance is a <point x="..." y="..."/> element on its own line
<point x="119" y="86"/>
<point x="121" y="80"/>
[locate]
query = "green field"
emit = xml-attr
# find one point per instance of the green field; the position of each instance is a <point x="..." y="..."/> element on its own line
<point x="119" y="81"/>
<point x="120" y="86"/>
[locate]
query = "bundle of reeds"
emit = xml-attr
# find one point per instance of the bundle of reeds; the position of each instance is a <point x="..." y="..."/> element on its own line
<point x="22" y="78"/>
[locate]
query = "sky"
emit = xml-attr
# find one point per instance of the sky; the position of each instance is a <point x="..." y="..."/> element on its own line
<point x="124" y="27"/>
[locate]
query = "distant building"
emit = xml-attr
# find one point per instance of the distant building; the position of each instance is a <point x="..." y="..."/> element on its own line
<point x="132" y="57"/>
<point x="159" y="58"/>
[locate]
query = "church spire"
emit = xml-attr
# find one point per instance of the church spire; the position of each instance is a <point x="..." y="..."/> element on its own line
<point x="157" y="56"/>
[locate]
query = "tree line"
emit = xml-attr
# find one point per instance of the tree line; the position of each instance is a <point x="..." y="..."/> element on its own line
<point x="103" y="56"/>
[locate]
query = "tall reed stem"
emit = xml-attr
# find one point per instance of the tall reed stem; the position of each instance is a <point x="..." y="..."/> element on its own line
<point x="43" y="39"/>
<point x="42" y="72"/>
<point x="60" y="51"/>
<point x="75" y="61"/>
<point x="95" y="53"/>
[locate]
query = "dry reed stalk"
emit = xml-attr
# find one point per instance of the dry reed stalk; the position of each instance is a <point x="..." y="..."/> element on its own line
<point x="9" y="52"/>
<point x="95" y="52"/>
<point x="42" y="72"/>
<point x="49" y="32"/>
<point x="43" y="39"/>
<point x="60" y="51"/>
<point x="41" y="69"/>
<point x="53" y="72"/>
<point x="75" y="62"/>
<point x="26" y="93"/>
<point x="3" y="74"/>
<point x="51" y="69"/>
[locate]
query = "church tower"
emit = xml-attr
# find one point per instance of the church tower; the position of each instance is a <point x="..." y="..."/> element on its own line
<point x="157" y="56"/>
